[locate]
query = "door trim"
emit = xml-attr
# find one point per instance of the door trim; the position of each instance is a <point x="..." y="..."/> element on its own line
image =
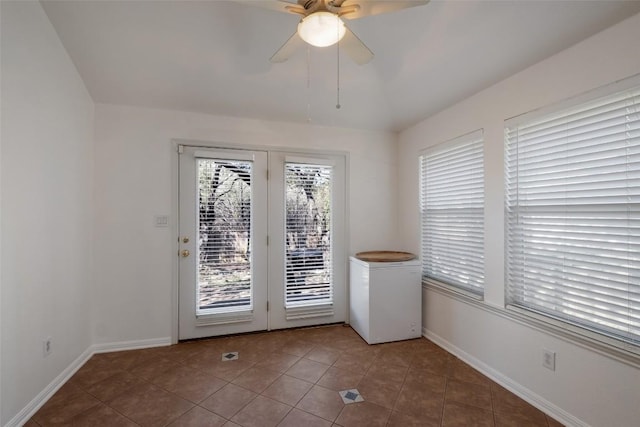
<point x="174" y="145"/>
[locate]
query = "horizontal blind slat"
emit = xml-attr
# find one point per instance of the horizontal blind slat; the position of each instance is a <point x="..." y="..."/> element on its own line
<point x="452" y="206"/>
<point x="572" y="198"/>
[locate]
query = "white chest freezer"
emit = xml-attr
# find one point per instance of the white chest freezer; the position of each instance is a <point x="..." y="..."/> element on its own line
<point x="386" y="300"/>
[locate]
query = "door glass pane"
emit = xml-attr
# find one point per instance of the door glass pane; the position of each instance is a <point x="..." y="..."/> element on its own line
<point x="224" y="236"/>
<point x="308" y="235"/>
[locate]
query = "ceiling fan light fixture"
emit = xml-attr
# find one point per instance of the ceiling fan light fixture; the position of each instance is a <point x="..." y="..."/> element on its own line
<point x="322" y="29"/>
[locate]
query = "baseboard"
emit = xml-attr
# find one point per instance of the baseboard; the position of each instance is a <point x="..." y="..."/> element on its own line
<point x="32" y="407"/>
<point x="130" y="345"/>
<point x="524" y="393"/>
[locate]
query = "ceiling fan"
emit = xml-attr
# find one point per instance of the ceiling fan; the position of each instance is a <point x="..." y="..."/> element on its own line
<point x="322" y="23"/>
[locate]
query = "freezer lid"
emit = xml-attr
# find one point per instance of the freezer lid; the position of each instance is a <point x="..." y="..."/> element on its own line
<point x="402" y="264"/>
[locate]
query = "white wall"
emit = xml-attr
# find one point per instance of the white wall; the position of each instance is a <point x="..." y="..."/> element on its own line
<point x="134" y="182"/>
<point x="46" y="176"/>
<point x="594" y="388"/>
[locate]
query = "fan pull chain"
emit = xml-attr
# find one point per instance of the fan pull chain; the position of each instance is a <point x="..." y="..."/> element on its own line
<point x="338" y="74"/>
<point x="308" y="84"/>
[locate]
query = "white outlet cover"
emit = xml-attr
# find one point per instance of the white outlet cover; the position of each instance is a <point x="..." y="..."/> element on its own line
<point x="549" y="359"/>
<point x="46" y="347"/>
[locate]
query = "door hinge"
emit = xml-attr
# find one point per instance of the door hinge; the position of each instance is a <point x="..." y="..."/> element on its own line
<point x="267" y="174"/>
<point x="267" y="240"/>
<point x="267" y="305"/>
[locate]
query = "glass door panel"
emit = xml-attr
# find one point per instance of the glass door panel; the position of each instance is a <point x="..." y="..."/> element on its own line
<point x="223" y="248"/>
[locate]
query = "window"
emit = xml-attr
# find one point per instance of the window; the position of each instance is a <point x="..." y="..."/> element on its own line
<point x="309" y="272"/>
<point x="573" y="215"/>
<point x="452" y="213"/>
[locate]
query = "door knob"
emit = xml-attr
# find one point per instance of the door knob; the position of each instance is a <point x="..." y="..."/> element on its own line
<point x="184" y="253"/>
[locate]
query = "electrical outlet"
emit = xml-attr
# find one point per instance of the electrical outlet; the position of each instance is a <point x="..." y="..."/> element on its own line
<point x="46" y="347"/>
<point x="549" y="359"/>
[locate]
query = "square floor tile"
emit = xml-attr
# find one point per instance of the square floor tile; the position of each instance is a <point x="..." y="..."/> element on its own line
<point x="114" y="386"/>
<point x="307" y="370"/>
<point x="363" y="414"/>
<point x="101" y="415"/>
<point x="189" y="383"/>
<point x="278" y="362"/>
<point x="297" y="347"/>
<point x="323" y="355"/>
<point x="416" y="400"/>
<point x="232" y="355"/>
<point x="460" y="415"/>
<point x="149" y="405"/>
<point x="383" y="392"/>
<point x="153" y="368"/>
<point x="198" y="417"/>
<point x="64" y="411"/>
<point x="261" y="412"/>
<point x="288" y="390"/>
<point x="469" y="394"/>
<point x="298" y="418"/>
<point x="340" y="379"/>
<point x="228" y="400"/>
<point x="298" y="373"/>
<point x="399" y="419"/>
<point x="227" y="371"/>
<point x="351" y="396"/>
<point x="256" y="379"/>
<point x="322" y="402"/>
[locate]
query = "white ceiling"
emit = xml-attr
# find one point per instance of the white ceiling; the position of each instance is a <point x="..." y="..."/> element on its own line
<point x="213" y="56"/>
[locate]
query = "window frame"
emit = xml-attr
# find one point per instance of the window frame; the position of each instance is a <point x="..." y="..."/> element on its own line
<point x="474" y="137"/>
<point x="599" y="339"/>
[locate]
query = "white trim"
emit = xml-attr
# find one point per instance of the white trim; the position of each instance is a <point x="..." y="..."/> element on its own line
<point x="224" y="155"/>
<point x="176" y="147"/>
<point x="224" y="318"/>
<point x="433" y="283"/>
<point x="36" y="403"/>
<point x="307" y="312"/>
<point x="575" y="337"/>
<point x="588" y="96"/>
<point x="217" y="145"/>
<point x="524" y="393"/>
<point x="130" y="345"/>
<point x="311" y="161"/>
<point x="467" y="137"/>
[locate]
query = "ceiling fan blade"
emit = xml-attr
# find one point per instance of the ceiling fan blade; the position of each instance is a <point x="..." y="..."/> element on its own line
<point x="376" y="7"/>
<point x="277" y="5"/>
<point x="294" y="43"/>
<point x="355" y="48"/>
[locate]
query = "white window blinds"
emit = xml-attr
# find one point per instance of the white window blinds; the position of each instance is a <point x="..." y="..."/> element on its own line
<point x="309" y="273"/>
<point x="573" y="215"/>
<point x="452" y="212"/>
<point x="224" y="235"/>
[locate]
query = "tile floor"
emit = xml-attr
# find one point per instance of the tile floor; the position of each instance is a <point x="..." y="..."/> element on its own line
<point x="285" y="378"/>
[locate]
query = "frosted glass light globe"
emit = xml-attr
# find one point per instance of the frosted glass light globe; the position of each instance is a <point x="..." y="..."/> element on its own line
<point x="322" y="29"/>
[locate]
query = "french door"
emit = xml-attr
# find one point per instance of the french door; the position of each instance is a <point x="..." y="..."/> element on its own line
<point x="262" y="241"/>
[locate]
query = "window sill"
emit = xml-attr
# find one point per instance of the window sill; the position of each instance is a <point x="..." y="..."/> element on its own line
<point x="628" y="355"/>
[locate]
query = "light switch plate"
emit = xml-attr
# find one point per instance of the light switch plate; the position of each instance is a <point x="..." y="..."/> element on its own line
<point x="161" y="220"/>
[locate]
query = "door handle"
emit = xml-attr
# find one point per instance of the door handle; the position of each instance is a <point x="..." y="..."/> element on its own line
<point x="184" y="253"/>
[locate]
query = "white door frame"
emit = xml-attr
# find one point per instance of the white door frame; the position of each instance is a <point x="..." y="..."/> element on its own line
<point x="174" y="146"/>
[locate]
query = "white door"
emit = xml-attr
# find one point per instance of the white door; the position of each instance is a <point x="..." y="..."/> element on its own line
<point x="260" y="253"/>
<point x="223" y="242"/>
<point x="307" y="234"/>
